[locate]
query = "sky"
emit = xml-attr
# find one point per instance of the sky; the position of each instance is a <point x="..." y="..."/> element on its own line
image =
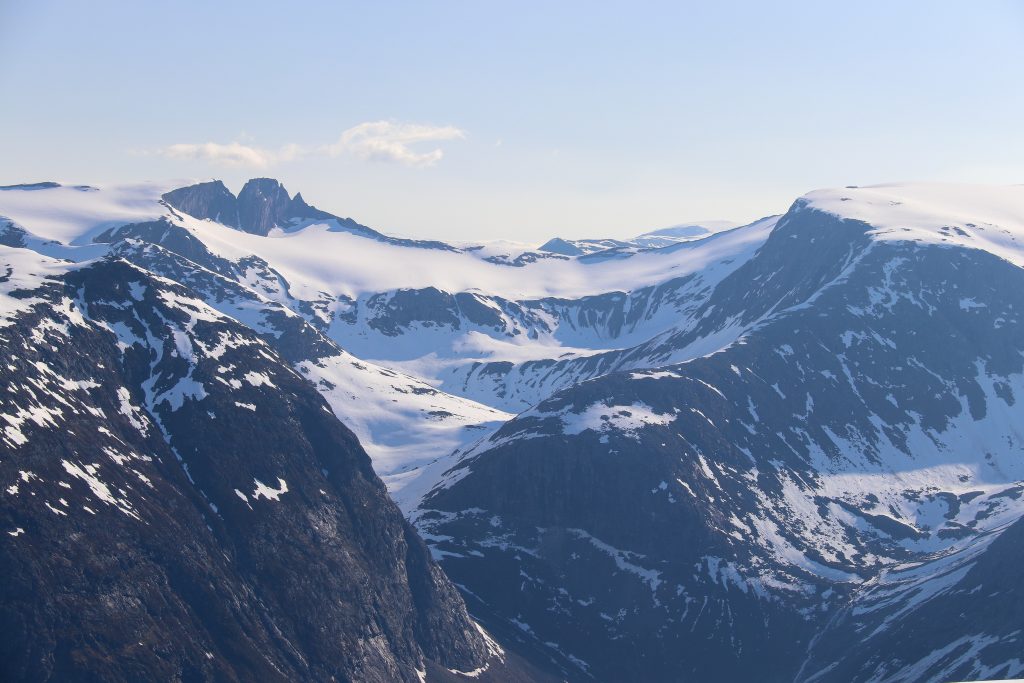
<point x="484" y="120"/>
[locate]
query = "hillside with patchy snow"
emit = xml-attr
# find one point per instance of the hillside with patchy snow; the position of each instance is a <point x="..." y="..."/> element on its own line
<point x="828" y="471"/>
<point x="706" y="451"/>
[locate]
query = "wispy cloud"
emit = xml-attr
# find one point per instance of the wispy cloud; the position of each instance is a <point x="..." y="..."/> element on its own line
<point x="388" y="141"/>
<point x="393" y="141"/>
<point x="231" y="154"/>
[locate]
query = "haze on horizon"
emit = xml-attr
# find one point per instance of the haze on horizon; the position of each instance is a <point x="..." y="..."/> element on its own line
<point x="476" y="121"/>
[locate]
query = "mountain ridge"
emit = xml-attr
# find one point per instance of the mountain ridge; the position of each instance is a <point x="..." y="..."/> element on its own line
<point x="790" y="507"/>
<point x="661" y="450"/>
<point x="169" y="512"/>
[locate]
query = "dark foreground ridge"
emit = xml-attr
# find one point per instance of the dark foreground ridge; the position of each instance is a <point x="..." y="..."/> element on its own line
<point x="181" y="505"/>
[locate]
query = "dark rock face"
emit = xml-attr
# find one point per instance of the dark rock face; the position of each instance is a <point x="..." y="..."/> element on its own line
<point x="711" y="520"/>
<point x="396" y="311"/>
<point x="300" y="209"/>
<point x="263" y="204"/>
<point x="180" y="505"/>
<point x="206" y="200"/>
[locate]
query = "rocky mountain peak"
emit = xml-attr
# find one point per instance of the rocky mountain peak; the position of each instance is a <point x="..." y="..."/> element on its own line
<point x="263" y="204"/>
<point x="557" y="245"/>
<point x="300" y="209"/>
<point x="210" y="200"/>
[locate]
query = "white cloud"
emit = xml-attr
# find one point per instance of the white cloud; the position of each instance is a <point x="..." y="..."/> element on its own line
<point x="231" y="154"/>
<point x="374" y="140"/>
<point x="392" y="141"/>
<point x="291" y="152"/>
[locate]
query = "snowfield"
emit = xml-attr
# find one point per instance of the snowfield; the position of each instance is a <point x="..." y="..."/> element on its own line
<point x="990" y="218"/>
<point x="322" y="256"/>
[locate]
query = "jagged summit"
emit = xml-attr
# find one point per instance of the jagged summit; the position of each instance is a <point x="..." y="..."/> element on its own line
<point x="210" y="200"/>
<point x="262" y="205"/>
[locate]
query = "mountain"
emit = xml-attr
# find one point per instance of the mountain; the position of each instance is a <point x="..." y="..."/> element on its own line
<point x="654" y="239"/>
<point x="264" y="205"/>
<point x="683" y="232"/>
<point x="734" y="454"/>
<point x="210" y="200"/>
<point x="427" y="423"/>
<point x="170" y="480"/>
<point x="826" y="476"/>
<point x="951" y="618"/>
<point x="455" y="316"/>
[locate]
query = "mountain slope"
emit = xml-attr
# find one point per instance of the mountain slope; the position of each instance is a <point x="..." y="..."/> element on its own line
<point x="734" y="456"/>
<point x="452" y="317"/>
<point x="400" y="420"/>
<point x="707" y="520"/>
<point x="955" y="617"/>
<point x="208" y="516"/>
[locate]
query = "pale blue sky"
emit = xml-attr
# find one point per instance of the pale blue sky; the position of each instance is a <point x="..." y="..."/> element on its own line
<point x="577" y="119"/>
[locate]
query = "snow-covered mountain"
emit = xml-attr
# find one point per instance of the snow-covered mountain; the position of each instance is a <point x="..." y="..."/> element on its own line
<point x="701" y="454"/>
<point x="664" y="237"/>
<point x="831" y="472"/>
<point x="179" y="503"/>
<point x="456" y="317"/>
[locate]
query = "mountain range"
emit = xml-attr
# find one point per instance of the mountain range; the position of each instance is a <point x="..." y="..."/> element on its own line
<point x="242" y="438"/>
